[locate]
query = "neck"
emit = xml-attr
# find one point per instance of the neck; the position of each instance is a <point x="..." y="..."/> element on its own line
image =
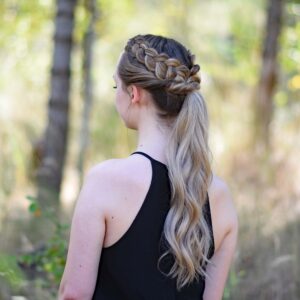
<point x="152" y="139"/>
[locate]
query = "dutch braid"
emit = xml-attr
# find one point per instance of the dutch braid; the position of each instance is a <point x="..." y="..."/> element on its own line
<point x="178" y="78"/>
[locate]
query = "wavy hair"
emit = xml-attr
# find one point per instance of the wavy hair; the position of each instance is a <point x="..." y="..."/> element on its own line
<point x="166" y="69"/>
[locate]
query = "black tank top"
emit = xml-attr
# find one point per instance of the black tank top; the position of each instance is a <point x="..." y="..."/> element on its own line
<point x="128" y="268"/>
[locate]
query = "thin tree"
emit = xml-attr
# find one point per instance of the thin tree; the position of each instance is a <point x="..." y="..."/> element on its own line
<point x="269" y="73"/>
<point x="50" y="171"/>
<point x="87" y="81"/>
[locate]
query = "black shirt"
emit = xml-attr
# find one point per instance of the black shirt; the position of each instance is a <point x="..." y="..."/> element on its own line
<point x="128" y="268"/>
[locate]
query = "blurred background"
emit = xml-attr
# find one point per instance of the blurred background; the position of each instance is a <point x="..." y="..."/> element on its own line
<point x="57" y="119"/>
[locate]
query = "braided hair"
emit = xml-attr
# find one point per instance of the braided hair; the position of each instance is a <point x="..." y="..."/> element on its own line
<point x="166" y="69"/>
<point x="168" y="79"/>
<point x="178" y="78"/>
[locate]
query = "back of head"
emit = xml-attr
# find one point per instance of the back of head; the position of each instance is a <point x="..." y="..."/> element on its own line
<point x="166" y="69"/>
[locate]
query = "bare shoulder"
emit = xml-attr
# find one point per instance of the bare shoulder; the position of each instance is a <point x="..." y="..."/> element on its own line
<point x="102" y="173"/>
<point x="111" y="179"/>
<point x="224" y="215"/>
<point x="105" y="167"/>
<point x="116" y="170"/>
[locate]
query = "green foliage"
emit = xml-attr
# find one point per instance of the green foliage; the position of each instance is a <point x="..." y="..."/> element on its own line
<point x="226" y="38"/>
<point x="232" y="283"/>
<point x="51" y="258"/>
<point x="243" y="46"/>
<point x="289" y="57"/>
<point x="10" y="271"/>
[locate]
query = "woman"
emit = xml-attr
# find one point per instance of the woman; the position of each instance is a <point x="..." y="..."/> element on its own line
<point x="157" y="224"/>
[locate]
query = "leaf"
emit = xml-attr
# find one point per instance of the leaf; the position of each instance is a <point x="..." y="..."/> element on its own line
<point x="33" y="207"/>
<point x="31" y="198"/>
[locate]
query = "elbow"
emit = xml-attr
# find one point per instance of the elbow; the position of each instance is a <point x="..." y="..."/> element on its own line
<point x="66" y="293"/>
<point x="72" y="296"/>
<point x="67" y="297"/>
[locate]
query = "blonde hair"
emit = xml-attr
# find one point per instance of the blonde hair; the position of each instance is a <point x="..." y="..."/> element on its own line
<point x="166" y="69"/>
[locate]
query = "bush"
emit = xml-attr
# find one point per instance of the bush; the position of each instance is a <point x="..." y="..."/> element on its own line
<point x="47" y="262"/>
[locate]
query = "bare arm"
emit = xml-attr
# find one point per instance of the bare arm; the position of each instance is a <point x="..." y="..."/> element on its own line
<point x="225" y="226"/>
<point x="86" y="239"/>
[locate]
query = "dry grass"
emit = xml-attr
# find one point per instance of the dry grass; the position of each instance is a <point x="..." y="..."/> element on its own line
<point x="268" y="202"/>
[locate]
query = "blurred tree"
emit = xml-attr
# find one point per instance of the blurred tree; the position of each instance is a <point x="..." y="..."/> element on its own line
<point x="268" y="74"/>
<point x="49" y="174"/>
<point x="87" y="82"/>
<point x="288" y="95"/>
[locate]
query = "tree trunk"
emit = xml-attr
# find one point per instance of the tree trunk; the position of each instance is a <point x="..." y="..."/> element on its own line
<point x="50" y="172"/>
<point x="268" y="75"/>
<point x="87" y="82"/>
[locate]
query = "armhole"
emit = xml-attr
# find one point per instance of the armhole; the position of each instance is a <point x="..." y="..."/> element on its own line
<point x="209" y="220"/>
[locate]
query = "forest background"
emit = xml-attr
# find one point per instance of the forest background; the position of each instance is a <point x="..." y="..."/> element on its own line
<point x="57" y="119"/>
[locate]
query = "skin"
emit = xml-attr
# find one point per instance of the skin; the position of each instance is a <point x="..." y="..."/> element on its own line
<point x="106" y="206"/>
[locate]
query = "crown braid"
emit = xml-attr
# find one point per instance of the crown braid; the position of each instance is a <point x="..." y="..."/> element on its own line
<point x="178" y="78"/>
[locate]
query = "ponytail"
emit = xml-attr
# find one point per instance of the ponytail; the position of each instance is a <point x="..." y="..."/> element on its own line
<point x="185" y="229"/>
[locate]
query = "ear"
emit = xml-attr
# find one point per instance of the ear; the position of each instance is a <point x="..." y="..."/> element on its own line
<point x="135" y="93"/>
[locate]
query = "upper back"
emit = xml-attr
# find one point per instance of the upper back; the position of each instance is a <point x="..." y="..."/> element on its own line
<point x="129" y="180"/>
<point x="135" y="220"/>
